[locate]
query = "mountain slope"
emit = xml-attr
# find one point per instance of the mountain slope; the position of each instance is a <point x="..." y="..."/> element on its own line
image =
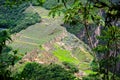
<point x="49" y="42"/>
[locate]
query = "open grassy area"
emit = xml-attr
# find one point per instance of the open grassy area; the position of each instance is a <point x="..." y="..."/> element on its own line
<point x="65" y="56"/>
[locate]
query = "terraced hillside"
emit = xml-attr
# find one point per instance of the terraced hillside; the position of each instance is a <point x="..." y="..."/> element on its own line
<point x="49" y="42"/>
<point x="34" y="36"/>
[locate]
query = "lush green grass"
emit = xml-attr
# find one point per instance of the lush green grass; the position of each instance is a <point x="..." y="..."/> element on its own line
<point x="81" y="58"/>
<point x="65" y="56"/>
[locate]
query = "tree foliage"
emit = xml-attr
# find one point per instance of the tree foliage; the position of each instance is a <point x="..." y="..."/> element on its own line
<point x="4" y="36"/>
<point x="87" y="12"/>
<point x="36" y="71"/>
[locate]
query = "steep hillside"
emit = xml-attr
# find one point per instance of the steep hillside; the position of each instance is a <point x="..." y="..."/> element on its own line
<point x="48" y="42"/>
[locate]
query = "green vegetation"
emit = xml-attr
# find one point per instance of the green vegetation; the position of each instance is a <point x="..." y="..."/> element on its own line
<point x="37" y="2"/>
<point x="75" y="29"/>
<point x="106" y="52"/>
<point x="15" y="19"/>
<point x="80" y="57"/>
<point x="84" y="58"/>
<point x="64" y="55"/>
<point x="28" y="39"/>
<point x="4" y="36"/>
<point x="25" y="21"/>
<point x="72" y="68"/>
<point x="49" y="4"/>
<point x="18" y="61"/>
<point x="35" y="71"/>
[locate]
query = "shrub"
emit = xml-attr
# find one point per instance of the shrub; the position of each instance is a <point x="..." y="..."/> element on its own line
<point x="75" y="29"/>
<point x="27" y="20"/>
<point x="72" y="68"/>
<point x="91" y="77"/>
<point x="35" y="71"/>
<point x="9" y="15"/>
<point x="50" y="3"/>
<point x="37" y="2"/>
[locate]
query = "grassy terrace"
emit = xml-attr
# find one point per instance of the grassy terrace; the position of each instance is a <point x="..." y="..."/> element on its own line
<point x="65" y="55"/>
<point x="80" y="57"/>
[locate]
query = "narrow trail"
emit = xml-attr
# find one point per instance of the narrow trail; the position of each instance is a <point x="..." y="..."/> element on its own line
<point x="27" y="43"/>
